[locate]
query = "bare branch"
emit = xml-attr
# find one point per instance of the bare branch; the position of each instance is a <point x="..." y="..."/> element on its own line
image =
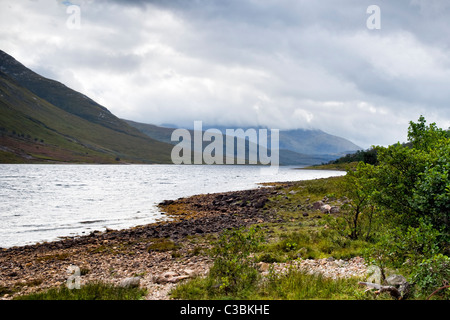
<point x="393" y="291"/>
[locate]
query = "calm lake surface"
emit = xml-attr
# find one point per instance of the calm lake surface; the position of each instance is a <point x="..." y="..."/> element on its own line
<point x="44" y="202"/>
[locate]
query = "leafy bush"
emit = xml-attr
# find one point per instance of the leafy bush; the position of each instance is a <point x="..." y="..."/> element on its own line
<point x="413" y="182"/>
<point x="400" y="248"/>
<point x="433" y="273"/>
<point x="234" y="266"/>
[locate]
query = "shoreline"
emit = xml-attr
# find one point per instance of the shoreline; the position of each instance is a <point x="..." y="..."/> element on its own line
<point x="163" y="253"/>
<point x="113" y="255"/>
<point x="113" y="213"/>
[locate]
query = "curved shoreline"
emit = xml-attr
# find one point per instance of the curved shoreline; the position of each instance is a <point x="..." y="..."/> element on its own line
<point x="166" y="252"/>
<point x="116" y="254"/>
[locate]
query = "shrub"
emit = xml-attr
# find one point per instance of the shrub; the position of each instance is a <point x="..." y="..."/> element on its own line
<point x="432" y="274"/>
<point x="234" y="266"/>
<point x="401" y="247"/>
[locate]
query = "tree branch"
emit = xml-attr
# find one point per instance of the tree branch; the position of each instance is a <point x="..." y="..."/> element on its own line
<point x="437" y="290"/>
<point x="393" y="291"/>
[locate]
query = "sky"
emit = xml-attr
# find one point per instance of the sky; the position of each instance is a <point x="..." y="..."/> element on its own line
<point x="286" y="64"/>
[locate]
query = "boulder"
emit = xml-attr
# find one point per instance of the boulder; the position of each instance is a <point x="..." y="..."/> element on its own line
<point x="260" y="204"/>
<point x="325" y="208"/>
<point x="189" y="272"/>
<point x="131" y="282"/>
<point x="317" y="205"/>
<point x="399" y="282"/>
<point x="174" y="277"/>
<point x="395" y="280"/>
<point x="335" y="209"/>
<point x="263" y="266"/>
<point x="165" y="277"/>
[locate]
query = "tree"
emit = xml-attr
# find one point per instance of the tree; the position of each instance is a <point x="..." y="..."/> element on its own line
<point x="413" y="182"/>
<point x="425" y="137"/>
<point x="359" y="211"/>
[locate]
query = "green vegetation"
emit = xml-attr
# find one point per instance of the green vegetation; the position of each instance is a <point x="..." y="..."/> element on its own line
<point x="367" y="156"/>
<point x="298" y="285"/>
<point x="293" y="285"/>
<point x="344" y="166"/>
<point x="292" y="242"/>
<point x="162" y="245"/>
<point x="234" y="269"/>
<point x="394" y="212"/>
<point x="90" y="291"/>
<point x="235" y="275"/>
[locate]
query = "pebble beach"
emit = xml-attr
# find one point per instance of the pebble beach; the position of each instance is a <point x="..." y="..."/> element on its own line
<point x="117" y="255"/>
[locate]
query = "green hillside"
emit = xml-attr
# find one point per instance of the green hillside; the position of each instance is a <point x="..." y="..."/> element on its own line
<point x="32" y="129"/>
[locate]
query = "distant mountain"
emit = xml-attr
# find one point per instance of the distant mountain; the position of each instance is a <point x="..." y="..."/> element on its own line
<point x="316" y="142"/>
<point x="43" y="120"/>
<point x="297" y="147"/>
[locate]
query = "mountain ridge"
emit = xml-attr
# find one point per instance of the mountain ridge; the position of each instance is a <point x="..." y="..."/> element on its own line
<point x="69" y="128"/>
<point x="290" y="153"/>
<point x="42" y="120"/>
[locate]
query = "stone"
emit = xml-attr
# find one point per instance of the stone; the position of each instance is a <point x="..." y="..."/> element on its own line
<point x="131" y="282"/>
<point x="166" y="277"/>
<point x="334" y="209"/>
<point x="263" y="266"/>
<point x="395" y="280"/>
<point x="325" y="208"/>
<point x="316" y="205"/>
<point x="399" y="282"/>
<point x="374" y="274"/>
<point x="179" y="278"/>
<point x="191" y="273"/>
<point x="199" y="230"/>
<point x="260" y="204"/>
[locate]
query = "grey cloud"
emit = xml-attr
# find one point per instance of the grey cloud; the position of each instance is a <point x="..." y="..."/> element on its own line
<point x="294" y="63"/>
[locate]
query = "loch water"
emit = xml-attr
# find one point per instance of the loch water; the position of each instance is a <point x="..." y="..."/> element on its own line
<point x="43" y="202"/>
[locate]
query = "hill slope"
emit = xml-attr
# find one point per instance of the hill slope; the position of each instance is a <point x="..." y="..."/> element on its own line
<point x="43" y="120"/>
<point x="297" y="147"/>
<point x="315" y="142"/>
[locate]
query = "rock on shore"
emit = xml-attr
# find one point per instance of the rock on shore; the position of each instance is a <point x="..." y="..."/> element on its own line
<point x="115" y="255"/>
<point x="155" y="256"/>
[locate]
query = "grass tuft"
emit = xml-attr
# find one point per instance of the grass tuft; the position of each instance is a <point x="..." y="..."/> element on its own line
<point x="90" y="291"/>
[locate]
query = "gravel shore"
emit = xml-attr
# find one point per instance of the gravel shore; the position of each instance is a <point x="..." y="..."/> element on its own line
<point x="115" y="255"/>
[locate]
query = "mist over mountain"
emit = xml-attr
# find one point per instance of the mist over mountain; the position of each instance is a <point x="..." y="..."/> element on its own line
<point x="296" y="147"/>
<point x="42" y="120"/>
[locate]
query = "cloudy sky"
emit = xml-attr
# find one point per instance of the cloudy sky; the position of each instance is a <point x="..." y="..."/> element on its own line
<point x="286" y="64"/>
